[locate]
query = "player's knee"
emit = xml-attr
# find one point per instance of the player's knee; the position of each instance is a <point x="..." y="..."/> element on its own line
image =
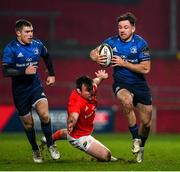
<point x="146" y="123"/>
<point x="28" y="126"/>
<point x="107" y="156"/>
<point x="127" y="107"/>
<point x="44" y="117"/>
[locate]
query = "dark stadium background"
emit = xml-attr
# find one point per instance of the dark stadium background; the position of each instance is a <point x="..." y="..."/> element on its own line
<point x="71" y="28"/>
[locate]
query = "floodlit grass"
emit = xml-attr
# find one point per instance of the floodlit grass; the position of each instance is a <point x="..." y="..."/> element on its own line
<point x="162" y="153"/>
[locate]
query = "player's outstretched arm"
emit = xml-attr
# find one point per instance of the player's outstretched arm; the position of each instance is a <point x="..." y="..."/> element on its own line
<point x="71" y="121"/>
<point x="100" y="76"/>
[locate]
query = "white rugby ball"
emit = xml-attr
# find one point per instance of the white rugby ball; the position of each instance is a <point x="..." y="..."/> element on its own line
<point x="106" y="51"/>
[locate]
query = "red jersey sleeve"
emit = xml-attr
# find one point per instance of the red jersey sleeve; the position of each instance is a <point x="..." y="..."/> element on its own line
<point x="74" y="104"/>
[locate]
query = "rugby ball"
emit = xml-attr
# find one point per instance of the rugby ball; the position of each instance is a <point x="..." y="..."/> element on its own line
<point x="106" y="51"/>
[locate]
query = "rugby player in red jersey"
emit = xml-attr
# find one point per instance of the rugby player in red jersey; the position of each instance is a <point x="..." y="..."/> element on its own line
<point x="81" y="113"/>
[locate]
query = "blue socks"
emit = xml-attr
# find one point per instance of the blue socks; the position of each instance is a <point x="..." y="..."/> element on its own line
<point x="32" y="138"/>
<point x="46" y="128"/>
<point x="134" y="131"/>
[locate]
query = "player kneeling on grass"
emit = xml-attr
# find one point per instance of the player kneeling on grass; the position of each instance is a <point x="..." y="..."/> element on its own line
<point x="81" y="113"/>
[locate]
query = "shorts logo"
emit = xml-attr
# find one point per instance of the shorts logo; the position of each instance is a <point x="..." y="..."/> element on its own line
<point x="117" y="89"/>
<point x="42" y="94"/>
<point x="85" y="144"/>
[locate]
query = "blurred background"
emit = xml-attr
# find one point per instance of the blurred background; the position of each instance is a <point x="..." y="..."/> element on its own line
<point x="70" y="29"/>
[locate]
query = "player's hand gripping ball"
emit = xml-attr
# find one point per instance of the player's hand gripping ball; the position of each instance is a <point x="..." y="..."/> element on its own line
<point x="106" y="51"/>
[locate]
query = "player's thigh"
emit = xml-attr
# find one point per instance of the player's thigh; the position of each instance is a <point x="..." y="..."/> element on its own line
<point x="41" y="108"/>
<point x="125" y="96"/>
<point x="27" y="121"/>
<point x="123" y="93"/>
<point x="144" y="112"/>
<point x="40" y="103"/>
<point x="91" y="146"/>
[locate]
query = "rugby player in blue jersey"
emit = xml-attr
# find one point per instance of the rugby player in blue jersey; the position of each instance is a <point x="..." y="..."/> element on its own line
<point x="20" y="62"/>
<point x="130" y="62"/>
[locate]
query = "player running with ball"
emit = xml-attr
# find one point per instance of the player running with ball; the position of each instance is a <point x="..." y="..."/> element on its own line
<point x="131" y="61"/>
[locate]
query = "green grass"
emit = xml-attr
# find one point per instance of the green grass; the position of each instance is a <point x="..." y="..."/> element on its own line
<point x="162" y="153"/>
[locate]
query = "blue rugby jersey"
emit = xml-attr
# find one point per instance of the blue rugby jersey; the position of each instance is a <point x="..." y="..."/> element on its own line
<point x="20" y="56"/>
<point x="134" y="51"/>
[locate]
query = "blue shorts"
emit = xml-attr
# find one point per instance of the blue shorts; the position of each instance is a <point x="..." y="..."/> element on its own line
<point x="141" y="92"/>
<point x="24" y="101"/>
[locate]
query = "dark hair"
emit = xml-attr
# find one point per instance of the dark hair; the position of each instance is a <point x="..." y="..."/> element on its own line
<point x="87" y="81"/>
<point x="127" y="16"/>
<point x="22" y="23"/>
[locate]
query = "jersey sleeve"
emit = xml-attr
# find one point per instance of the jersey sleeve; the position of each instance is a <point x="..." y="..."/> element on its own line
<point x="144" y="54"/>
<point x="8" y="56"/>
<point x="74" y="104"/>
<point x="44" y="50"/>
<point x="109" y="41"/>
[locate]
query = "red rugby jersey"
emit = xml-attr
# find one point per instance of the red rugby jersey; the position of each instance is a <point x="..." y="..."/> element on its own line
<point x="86" y="110"/>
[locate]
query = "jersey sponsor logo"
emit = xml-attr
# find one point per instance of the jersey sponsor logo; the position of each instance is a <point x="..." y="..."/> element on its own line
<point x="133" y="50"/>
<point x="26" y="64"/>
<point x="20" y="55"/>
<point x="43" y="94"/>
<point x="91" y="113"/>
<point x="29" y="59"/>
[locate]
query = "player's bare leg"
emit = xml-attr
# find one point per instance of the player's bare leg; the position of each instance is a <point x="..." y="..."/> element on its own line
<point x="100" y="152"/>
<point x="28" y="124"/>
<point x="126" y="99"/>
<point x="145" y="114"/>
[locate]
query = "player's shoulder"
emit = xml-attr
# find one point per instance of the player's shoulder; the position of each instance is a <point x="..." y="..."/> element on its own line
<point x="141" y="42"/>
<point x="37" y="42"/>
<point x="138" y="38"/>
<point x="75" y="99"/>
<point x="112" y="39"/>
<point x="74" y="95"/>
<point x="12" y="45"/>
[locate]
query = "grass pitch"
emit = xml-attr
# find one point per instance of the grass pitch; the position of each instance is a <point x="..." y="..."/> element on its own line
<point x="162" y="153"/>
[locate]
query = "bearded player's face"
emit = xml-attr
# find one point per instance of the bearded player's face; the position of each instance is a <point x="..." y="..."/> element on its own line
<point x="85" y="93"/>
<point x="126" y="30"/>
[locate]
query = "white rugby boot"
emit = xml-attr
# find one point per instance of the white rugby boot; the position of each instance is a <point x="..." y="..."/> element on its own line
<point x="113" y="159"/>
<point x="54" y="152"/>
<point x="43" y="143"/>
<point x="136" y="145"/>
<point x="37" y="157"/>
<point x="140" y="155"/>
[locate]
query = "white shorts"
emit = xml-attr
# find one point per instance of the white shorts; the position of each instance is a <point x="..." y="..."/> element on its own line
<point x="82" y="143"/>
